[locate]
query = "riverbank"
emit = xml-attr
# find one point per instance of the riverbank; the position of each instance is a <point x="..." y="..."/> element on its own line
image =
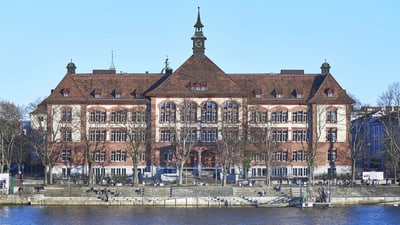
<point x="196" y="196"/>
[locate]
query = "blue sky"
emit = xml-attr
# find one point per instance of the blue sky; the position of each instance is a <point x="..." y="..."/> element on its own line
<point x="360" y="39"/>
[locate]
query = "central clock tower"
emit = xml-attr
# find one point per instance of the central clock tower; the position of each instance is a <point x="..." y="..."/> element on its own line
<point x="198" y="38"/>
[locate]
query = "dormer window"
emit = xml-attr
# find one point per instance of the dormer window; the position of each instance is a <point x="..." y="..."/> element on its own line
<point x="66" y="92"/>
<point x="97" y="93"/>
<point x="330" y="92"/>
<point x="138" y="93"/>
<point x="298" y="93"/>
<point x="257" y="93"/>
<point x="278" y="93"/>
<point x="118" y="93"/>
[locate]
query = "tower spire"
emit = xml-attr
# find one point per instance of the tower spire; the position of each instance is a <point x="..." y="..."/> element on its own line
<point x="198" y="37"/>
<point x="112" y="66"/>
<point x="199" y="26"/>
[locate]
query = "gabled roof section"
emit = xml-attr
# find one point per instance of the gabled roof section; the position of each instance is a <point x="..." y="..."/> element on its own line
<point x="198" y="77"/>
<point x="66" y="90"/>
<point x="85" y="87"/>
<point x="329" y="91"/>
<point x="286" y="86"/>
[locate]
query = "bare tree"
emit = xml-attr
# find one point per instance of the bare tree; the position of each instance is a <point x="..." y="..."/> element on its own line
<point x="137" y="138"/>
<point x="319" y="124"/>
<point x="10" y="129"/>
<point x="38" y="140"/>
<point x="229" y="148"/>
<point x="93" y="139"/>
<point x="61" y="126"/>
<point x="358" y="135"/>
<point x="21" y="152"/>
<point x="185" y="136"/>
<point x="390" y="99"/>
<point x="262" y="138"/>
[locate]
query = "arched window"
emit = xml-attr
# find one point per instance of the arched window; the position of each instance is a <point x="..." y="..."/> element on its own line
<point x="231" y="112"/>
<point x="167" y="112"/>
<point x="209" y="113"/>
<point x="189" y="112"/>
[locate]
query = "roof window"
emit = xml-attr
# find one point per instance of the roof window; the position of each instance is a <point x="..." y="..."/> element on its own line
<point x="97" y="93"/>
<point x="330" y="92"/>
<point x="66" y="92"/>
<point x="199" y="86"/>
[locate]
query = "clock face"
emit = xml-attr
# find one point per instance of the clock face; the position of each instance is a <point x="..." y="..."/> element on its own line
<point x="198" y="43"/>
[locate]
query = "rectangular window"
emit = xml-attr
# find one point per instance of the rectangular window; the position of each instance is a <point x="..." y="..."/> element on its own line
<point x="299" y="135"/>
<point x="279" y="116"/>
<point x="66" y="135"/>
<point x="332" y="135"/>
<point x="188" y="135"/>
<point x="280" y="156"/>
<point x="279" y="172"/>
<point x="258" y="117"/>
<point x="299" y="117"/>
<point x="332" y="155"/>
<point x="138" y="116"/>
<point x="138" y="135"/>
<point x="331" y="116"/>
<point x="118" y="136"/>
<point x="99" y="155"/>
<point x="66" y="155"/>
<point x="118" y="117"/>
<point x="167" y="135"/>
<point x="279" y="135"/>
<point x="98" y="117"/>
<point x="299" y="156"/>
<point x="66" y="115"/>
<point x="209" y="135"/>
<point x="118" y="156"/>
<point x="300" y="172"/>
<point x="258" y="157"/>
<point x="97" y="135"/>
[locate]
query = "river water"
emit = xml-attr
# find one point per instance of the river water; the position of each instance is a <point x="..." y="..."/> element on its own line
<point x="142" y="215"/>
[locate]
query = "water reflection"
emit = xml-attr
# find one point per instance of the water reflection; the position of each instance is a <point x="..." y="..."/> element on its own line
<point x="141" y="215"/>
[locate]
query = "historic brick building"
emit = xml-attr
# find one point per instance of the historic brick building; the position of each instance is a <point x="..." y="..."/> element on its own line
<point x="103" y="110"/>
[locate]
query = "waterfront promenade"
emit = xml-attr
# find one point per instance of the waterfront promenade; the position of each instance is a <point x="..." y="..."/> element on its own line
<point x="195" y="196"/>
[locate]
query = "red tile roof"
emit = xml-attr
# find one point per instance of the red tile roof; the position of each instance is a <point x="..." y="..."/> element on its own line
<point x="198" y="76"/>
